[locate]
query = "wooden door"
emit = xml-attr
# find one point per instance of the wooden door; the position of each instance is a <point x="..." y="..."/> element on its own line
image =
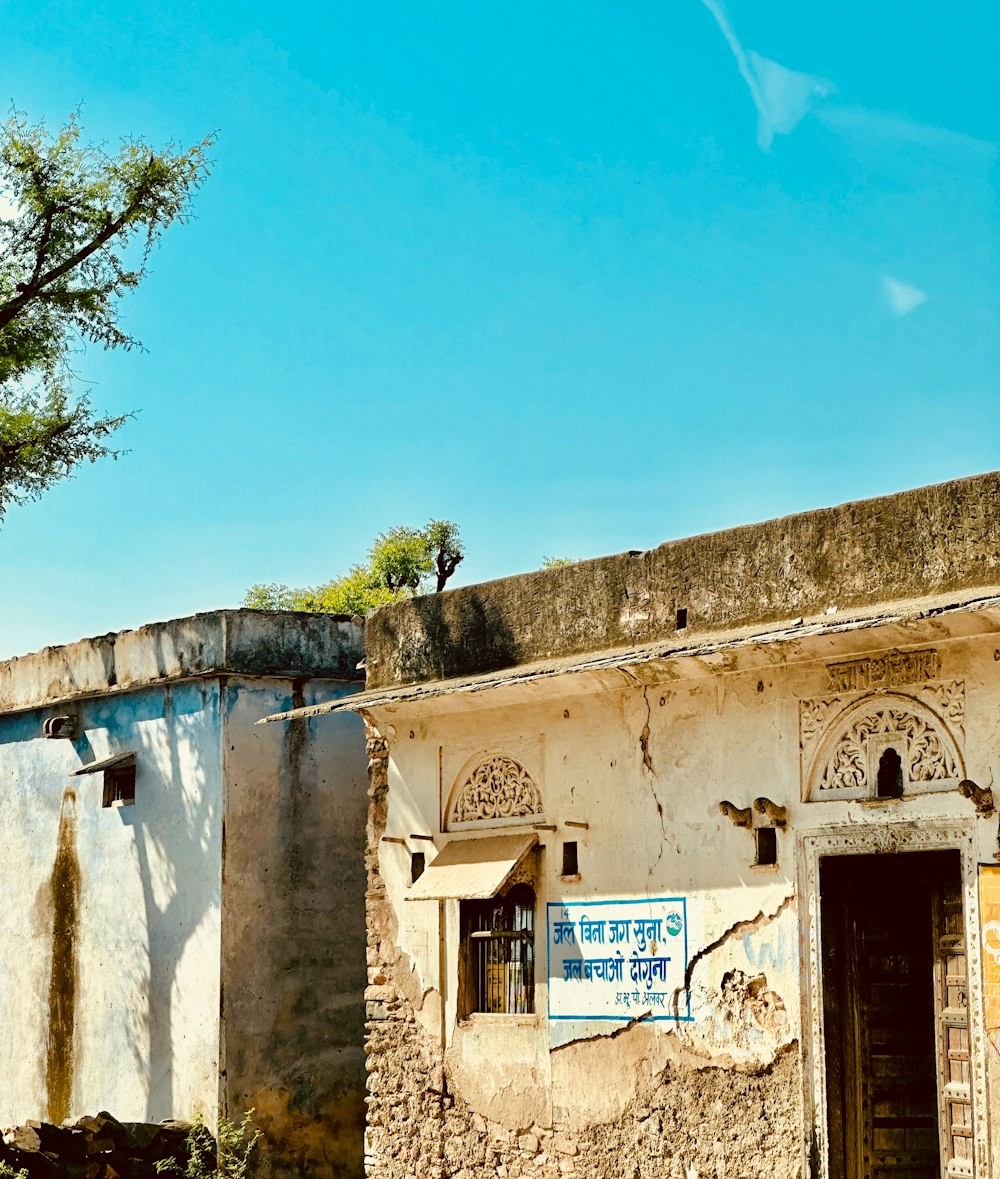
<point x="897" y="1064"/>
<point x="951" y="1002"/>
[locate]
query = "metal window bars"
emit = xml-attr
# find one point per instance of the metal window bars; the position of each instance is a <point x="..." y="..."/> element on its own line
<point x="503" y="956"/>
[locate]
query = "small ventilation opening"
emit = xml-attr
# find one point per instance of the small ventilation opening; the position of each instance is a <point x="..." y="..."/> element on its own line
<point x="890" y="775"/>
<point x="119" y="785"/>
<point x="418" y="862"/>
<point x="570" y="862"/>
<point x="682" y="618"/>
<point x="766" y="841"/>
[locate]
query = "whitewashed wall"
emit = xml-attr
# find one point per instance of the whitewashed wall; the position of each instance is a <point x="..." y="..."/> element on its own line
<point x="140" y="1033"/>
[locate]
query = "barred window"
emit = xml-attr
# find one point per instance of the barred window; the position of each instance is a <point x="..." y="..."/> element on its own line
<point x="500" y="953"/>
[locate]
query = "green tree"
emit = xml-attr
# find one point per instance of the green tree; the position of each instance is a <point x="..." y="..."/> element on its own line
<point x="401" y="563"/>
<point x="400" y="559"/>
<point x="77" y="225"/>
<point x="445" y="549"/>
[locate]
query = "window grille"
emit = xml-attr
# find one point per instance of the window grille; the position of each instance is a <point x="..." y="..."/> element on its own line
<point x="501" y="952"/>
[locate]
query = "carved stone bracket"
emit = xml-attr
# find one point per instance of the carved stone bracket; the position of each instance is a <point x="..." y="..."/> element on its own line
<point x="742" y="816"/>
<point x="762" y="818"/>
<point x="763" y="813"/>
<point x="981" y="797"/>
<point x="769" y="814"/>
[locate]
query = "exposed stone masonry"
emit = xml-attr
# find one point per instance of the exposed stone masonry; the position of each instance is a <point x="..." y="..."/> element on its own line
<point x="405" y="1079"/>
<point x="686" y="1123"/>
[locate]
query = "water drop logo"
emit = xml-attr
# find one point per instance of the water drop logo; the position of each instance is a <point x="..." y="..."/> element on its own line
<point x="674" y="923"/>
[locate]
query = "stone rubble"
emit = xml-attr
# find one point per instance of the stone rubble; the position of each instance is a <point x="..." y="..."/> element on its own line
<point x="99" y="1147"/>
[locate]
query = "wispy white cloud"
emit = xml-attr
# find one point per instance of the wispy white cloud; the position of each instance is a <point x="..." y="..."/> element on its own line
<point x="783" y="97"/>
<point x="898" y="129"/>
<point x="902" y="297"/>
<point x="8" y="208"/>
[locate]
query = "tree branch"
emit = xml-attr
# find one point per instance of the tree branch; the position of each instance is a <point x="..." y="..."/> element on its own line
<point x="11" y="309"/>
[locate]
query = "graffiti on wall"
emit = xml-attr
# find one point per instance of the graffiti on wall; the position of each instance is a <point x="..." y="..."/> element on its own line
<point x="618" y="959"/>
<point x="771" y="950"/>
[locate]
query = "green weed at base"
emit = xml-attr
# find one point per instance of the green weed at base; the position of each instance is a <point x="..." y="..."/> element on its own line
<point x="224" y="1157"/>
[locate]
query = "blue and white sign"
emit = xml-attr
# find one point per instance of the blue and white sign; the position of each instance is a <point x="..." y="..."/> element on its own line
<point x="618" y="959"/>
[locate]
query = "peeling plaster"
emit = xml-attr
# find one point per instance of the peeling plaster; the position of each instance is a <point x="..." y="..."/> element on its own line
<point x="738" y="928"/>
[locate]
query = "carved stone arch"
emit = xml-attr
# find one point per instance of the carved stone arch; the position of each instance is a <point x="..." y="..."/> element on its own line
<point x="492" y="790"/>
<point x="848" y="755"/>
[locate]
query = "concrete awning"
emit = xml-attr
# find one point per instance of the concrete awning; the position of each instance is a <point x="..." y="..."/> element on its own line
<point x="106" y="763"/>
<point x="472" y="869"/>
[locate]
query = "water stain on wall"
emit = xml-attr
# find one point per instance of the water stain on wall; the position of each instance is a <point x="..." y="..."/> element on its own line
<point x="65" y="892"/>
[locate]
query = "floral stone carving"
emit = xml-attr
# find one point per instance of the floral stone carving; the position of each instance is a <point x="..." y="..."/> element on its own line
<point x="498" y="789"/>
<point x="849" y="755"/>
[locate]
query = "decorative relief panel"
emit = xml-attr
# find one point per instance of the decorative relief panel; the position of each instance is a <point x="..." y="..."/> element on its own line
<point x="926" y="756"/>
<point x="813" y="717"/>
<point x="845" y="737"/>
<point x="498" y="790"/>
<point x="884" y="671"/>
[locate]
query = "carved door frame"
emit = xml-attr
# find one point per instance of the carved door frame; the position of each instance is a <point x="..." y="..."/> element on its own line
<point x="880" y="838"/>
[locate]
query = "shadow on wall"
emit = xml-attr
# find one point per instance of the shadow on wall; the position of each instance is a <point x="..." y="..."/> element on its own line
<point x="294" y="940"/>
<point x="175" y="898"/>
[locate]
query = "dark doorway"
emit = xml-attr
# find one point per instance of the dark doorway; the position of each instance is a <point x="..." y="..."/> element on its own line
<point x="897" y="1062"/>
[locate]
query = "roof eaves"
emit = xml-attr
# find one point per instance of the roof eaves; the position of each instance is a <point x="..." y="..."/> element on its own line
<point x="624" y="658"/>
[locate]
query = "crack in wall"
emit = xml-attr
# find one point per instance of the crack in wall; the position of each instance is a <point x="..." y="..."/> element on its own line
<point x="647" y="763"/>
<point x="645" y="1017"/>
<point x="737" y="930"/>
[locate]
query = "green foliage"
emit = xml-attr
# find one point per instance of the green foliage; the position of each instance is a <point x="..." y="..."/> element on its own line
<point x="354" y="594"/>
<point x="400" y="559"/>
<point x="270" y="596"/>
<point x="556" y="562"/>
<point x="401" y="563"/>
<point x="44" y="434"/>
<point x="77" y="225"/>
<point x="227" y="1156"/>
<point x="8" y="1172"/>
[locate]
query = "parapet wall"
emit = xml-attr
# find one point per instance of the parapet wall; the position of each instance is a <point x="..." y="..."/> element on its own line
<point x="219" y="642"/>
<point x="935" y="540"/>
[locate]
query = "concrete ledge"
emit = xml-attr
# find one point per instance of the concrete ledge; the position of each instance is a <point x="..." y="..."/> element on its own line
<point x="895" y="549"/>
<point x="220" y="642"/>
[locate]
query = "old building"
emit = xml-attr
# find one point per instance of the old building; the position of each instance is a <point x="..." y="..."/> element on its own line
<point x="183" y="918"/>
<point x="684" y="863"/>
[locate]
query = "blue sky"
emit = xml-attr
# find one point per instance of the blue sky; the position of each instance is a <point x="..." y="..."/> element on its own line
<point x="583" y="277"/>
